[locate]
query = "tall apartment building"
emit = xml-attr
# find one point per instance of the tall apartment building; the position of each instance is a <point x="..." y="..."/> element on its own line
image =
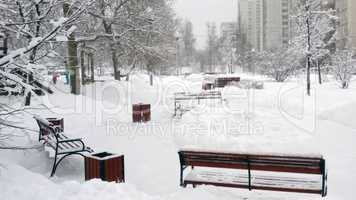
<point x="251" y="23"/>
<point x="265" y="24"/>
<point x="278" y="26"/>
<point x="229" y="31"/>
<point x="346" y="11"/>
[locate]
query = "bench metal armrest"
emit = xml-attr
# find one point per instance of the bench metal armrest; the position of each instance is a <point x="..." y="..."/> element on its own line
<point x="73" y="140"/>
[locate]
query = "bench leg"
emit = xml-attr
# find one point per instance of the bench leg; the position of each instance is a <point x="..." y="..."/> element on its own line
<point x="54" y="166"/>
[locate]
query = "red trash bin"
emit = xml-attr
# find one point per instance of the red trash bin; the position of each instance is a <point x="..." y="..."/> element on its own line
<point x="141" y="112"/>
<point x="146" y="112"/>
<point x="106" y="166"/>
<point x="136" y="113"/>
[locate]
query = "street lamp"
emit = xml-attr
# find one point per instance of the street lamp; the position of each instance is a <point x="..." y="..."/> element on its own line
<point x="177" y="55"/>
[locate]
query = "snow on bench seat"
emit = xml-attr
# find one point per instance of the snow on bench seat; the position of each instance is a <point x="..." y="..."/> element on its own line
<point x="240" y="178"/>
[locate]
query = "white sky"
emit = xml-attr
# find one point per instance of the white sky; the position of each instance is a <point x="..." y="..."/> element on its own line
<point x="199" y="12"/>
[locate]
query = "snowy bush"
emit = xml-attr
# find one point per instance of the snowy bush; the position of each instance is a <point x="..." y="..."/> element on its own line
<point x="343" y="66"/>
<point x="278" y="64"/>
<point x="250" y="84"/>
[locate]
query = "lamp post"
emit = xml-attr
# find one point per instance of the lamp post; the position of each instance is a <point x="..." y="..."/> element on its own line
<point x="177" y="55"/>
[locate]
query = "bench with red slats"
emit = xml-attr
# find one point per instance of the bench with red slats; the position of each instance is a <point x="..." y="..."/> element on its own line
<point x="250" y="169"/>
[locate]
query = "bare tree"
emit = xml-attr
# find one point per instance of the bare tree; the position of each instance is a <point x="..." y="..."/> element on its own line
<point x="315" y="30"/>
<point x="33" y="26"/>
<point x="187" y="35"/>
<point x="133" y="29"/>
<point x="212" y="45"/>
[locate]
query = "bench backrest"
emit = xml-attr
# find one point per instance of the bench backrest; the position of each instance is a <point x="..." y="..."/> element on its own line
<point x="183" y="95"/>
<point x="45" y="127"/>
<point x="274" y="163"/>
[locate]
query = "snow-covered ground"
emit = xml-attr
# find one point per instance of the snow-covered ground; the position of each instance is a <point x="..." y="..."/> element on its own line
<point x="278" y="119"/>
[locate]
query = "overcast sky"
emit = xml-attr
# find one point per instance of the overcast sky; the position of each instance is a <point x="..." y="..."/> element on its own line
<point x="199" y="12"/>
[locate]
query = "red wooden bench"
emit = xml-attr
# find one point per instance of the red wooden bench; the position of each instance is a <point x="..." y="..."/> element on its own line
<point x="221" y="82"/>
<point x="253" y="171"/>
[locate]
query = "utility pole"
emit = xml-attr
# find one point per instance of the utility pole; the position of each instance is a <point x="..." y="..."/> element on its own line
<point x="177" y="55"/>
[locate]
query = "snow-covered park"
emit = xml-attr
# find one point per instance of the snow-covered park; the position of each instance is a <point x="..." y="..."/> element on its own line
<point x="277" y="119"/>
<point x="177" y="99"/>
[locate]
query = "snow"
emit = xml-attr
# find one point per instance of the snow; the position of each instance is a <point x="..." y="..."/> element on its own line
<point x="35" y="41"/>
<point x="59" y="22"/>
<point x="71" y="30"/>
<point x="277" y="119"/>
<point x="61" y="38"/>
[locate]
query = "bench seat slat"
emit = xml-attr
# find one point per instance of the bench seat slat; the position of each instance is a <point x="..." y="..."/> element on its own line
<point x="222" y="154"/>
<point x="262" y="181"/>
<point x="258" y="167"/>
<point x="72" y="144"/>
<point x="310" y="191"/>
<point x="76" y="144"/>
<point x="256" y="161"/>
<point x="63" y="147"/>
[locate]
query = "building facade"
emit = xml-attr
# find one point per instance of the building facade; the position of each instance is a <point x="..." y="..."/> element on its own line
<point x="266" y="24"/>
<point x="251" y="23"/>
<point x="346" y="11"/>
<point x="229" y="33"/>
<point x="228" y="29"/>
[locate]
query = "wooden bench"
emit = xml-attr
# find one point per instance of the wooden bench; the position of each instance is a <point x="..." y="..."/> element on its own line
<point x="51" y="134"/>
<point x="270" y="172"/>
<point x="221" y="82"/>
<point x="183" y="96"/>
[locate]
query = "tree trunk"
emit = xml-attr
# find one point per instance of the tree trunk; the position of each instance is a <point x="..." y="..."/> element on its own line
<point x="28" y="99"/>
<point x="308" y="75"/>
<point x="37" y="33"/>
<point x="72" y="60"/>
<point x="115" y="63"/>
<point x="151" y="79"/>
<point x="308" y="53"/>
<point x="92" y="67"/>
<point x="82" y="66"/>
<point x="319" y="73"/>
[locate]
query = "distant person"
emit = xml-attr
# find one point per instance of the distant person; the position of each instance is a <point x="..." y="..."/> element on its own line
<point x="54" y="77"/>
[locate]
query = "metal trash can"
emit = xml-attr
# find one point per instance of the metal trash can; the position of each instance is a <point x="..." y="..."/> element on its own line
<point x="208" y="86"/>
<point x="106" y="166"/>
